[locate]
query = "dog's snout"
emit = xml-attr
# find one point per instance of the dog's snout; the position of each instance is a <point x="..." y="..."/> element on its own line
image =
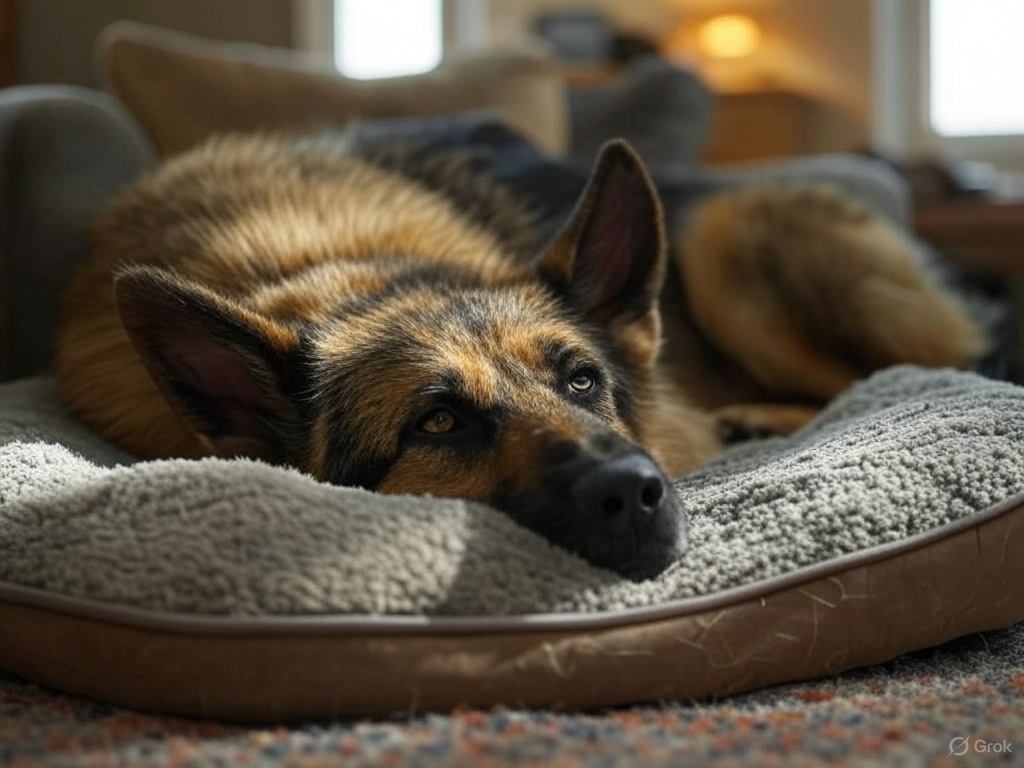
<point x="607" y="500"/>
<point x="616" y="506"/>
<point x="630" y="487"/>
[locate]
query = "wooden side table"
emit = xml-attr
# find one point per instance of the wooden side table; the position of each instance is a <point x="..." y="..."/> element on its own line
<point x="983" y="236"/>
<point x="986" y="239"/>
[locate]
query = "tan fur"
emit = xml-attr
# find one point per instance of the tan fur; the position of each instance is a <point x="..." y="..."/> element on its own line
<point x="678" y="449"/>
<point x="802" y="290"/>
<point x="808" y="291"/>
<point x="287" y="217"/>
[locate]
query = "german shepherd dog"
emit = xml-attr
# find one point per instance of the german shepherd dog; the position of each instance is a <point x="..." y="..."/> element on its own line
<point x="388" y="319"/>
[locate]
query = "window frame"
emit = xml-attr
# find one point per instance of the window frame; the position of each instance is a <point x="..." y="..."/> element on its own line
<point x="902" y="98"/>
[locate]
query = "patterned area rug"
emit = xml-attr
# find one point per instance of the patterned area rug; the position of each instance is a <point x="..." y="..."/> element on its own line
<point x="960" y="704"/>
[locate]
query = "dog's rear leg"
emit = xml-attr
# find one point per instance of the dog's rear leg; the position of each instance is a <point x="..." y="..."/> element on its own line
<point x="765" y="339"/>
<point x="751" y="420"/>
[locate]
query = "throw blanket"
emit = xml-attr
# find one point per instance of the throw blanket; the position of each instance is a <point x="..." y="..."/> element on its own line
<point x="898" y="454"/>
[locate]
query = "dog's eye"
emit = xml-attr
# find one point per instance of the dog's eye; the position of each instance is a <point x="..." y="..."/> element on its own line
<point x="581" y="382"/>
<point x="438" y="422"/>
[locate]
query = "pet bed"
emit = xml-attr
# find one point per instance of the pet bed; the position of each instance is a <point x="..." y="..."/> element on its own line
<point x="237" y="590"/>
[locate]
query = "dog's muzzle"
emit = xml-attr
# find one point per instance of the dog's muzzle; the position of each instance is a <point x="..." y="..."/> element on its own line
<point x="606" y="500"/>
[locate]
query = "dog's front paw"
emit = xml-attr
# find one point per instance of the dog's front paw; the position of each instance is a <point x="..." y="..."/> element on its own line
<point x="739" y="423"/>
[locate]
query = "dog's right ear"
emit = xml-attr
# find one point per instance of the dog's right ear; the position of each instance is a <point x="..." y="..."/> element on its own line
<point x="609" y="258"/>
<point x="224" y="367"/>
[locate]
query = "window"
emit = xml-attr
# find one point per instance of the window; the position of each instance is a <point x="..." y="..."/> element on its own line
<point x="386" y="38"/>
<point x="948" y="80"/>
<point x="976" y="67"/>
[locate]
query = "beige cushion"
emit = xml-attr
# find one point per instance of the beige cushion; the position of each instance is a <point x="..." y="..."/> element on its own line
<point x="183" y="89"/>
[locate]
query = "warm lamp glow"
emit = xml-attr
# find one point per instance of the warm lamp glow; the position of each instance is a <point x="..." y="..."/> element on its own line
<point x="729" y="36"/>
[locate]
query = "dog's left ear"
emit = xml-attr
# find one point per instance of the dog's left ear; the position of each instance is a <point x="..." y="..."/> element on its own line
<point x="224" y="367"/>
<point x="610" y="256"/>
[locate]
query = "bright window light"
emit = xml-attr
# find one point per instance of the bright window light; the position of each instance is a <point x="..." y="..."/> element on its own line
<point x="387" y="38"/>
<point x="977" y="67"/>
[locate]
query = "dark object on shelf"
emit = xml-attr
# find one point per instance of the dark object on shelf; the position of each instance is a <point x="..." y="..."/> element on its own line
<point x="577" y="37"/>
<point x="627" y="46"/>
<point x="585" y="38"/>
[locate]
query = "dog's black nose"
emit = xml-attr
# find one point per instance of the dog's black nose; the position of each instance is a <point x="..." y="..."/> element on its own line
<point x="608" y="501"/>
<point x="625" y="514"/>
<point x="628" y="489"/>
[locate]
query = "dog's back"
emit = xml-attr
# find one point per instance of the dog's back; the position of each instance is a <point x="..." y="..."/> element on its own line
<point x="286" y="226"/>
<point x="799" y="290"/>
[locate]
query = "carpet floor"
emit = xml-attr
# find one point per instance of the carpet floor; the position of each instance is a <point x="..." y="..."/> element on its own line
<point x="956" y="705"/>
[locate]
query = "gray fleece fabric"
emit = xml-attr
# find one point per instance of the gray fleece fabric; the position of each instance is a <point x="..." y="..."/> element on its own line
<point x="900" y="453"/>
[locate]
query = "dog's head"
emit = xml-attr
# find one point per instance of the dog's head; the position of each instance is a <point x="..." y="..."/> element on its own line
<point x="528" y="391"/>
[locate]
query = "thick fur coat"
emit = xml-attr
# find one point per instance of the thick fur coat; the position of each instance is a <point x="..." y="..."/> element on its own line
<point x="394" y="320"/>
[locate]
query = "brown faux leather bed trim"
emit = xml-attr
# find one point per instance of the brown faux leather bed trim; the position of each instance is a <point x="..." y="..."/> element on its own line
<point x="861" y="609"/>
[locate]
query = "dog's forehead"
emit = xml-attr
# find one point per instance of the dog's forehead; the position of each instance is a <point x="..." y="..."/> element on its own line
<point x="485" y="340"/>
<point x="510" y="318"/>
<point x="512" y="325"/>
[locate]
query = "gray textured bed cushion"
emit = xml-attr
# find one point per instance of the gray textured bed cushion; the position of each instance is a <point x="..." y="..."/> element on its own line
<point x="898" y="454"/>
